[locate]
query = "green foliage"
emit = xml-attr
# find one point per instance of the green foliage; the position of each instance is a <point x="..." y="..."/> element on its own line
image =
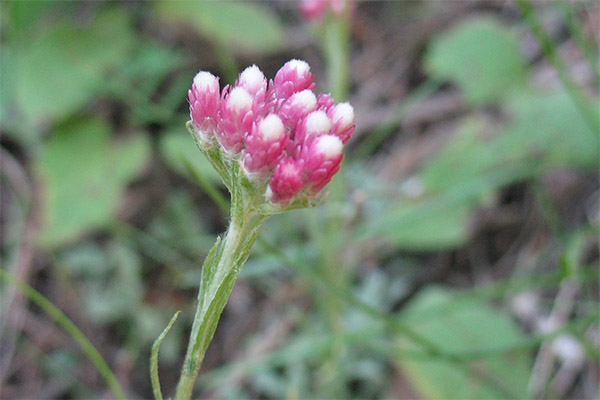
<point x="248" y="27"/>
<point x="463" y="326"/>
<point x="334" y="298"/>
<point x="545" y="132"/>
<point x="481" y="56"/>
<point x="137" y="83"/>
<point x="84" y="173"/>
<point x="61" y="70"/>
<point x="548" y="127"/>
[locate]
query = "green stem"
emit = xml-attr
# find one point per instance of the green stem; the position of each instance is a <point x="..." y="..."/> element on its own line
<point x="336" y="42"/>
<point x="219" y="273"/>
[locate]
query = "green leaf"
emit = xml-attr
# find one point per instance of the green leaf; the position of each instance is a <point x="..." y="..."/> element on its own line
<point x="467" y="156"/>
<point x="481" y="56"/>
<point x="248" y="27"/>
<point x="549" y="128"/>
<point x="463" y="325"/>
<point x="65" y="67"/>
<point x="154" y="358"/>
<point x="84" y="174"/>
<point x="437" y="227"/>
<point x="21" y="19"/>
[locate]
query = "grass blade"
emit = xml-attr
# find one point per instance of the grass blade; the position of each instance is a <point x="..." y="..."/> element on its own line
<point x="71" y="329"/>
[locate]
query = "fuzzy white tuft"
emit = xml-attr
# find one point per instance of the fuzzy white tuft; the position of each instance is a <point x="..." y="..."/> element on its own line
<point x="344" y="113"/>
<point x="317" y="122"/>
<point x="252" y="78"/>
<point x="239" y="99"/>
<point x="271" y="128"/>
<point x="300" y="66"/>
<point x="330" y="145"/>
<point x="305" y="99"/>
<point x="204" y="80"/>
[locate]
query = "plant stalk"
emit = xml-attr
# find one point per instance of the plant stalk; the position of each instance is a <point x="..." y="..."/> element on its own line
<point x="219" y="273"/>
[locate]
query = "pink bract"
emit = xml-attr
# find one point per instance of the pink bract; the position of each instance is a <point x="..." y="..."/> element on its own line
<point x="283" y="135"/>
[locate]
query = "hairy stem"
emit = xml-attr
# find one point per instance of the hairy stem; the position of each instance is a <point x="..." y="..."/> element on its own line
<point x="219" y="273"/>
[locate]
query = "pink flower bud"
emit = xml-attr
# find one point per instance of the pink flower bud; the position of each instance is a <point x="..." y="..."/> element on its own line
<point x="204" y="101"/>
<point x="253" y="80"/>
<point x="297" y="106"/>
<point x="236" y="119"/>
<point x="321" y="157"/>
<point x="314" y="124"/>
<point x="342" y="116"/>
<point x="264" y="146"/>
<point x="286" y="181"/>
<point x="338" y="7"/>
<point x="293" y="77"/>
<point x="313" y="9"/>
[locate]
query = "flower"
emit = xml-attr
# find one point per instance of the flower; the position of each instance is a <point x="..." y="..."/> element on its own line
<point x="315" y="9"/>
<point x="285" y="140"/>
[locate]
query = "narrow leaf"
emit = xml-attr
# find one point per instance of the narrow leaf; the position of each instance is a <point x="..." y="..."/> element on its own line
<point x="154" y="358"/>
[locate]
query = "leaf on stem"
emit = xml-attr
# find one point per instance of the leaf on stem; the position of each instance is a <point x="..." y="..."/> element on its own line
<point x="154" y="358"/>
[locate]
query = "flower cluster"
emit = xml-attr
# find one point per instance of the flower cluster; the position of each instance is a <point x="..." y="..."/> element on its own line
<point x="316" y="9"/>
<point x="282" y="135"/>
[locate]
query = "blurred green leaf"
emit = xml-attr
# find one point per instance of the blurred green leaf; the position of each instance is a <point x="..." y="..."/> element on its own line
<point x="437" y="228"/>
<point x="549" y="128"/>
<point x="466" y="325"/>
<point x="84" y="174"/>
<point x="246" y="26"/>
<point x="467" y="156"/>
<point x="139" y="83"/>
<point x="65" y="67"/>
<point x="177" y="148"/>
<point x="22" y="19"/>
<point x="481" y="56"/>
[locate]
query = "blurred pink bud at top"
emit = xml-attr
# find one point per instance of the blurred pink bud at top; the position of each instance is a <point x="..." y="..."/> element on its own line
<point x="264" y="146"/>
<point x="315" y="9"/>
<point x="293" y="77"/>
<point x="204" y="101"/>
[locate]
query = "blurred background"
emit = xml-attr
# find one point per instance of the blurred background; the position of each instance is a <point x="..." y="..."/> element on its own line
<point x="456" y="256"/>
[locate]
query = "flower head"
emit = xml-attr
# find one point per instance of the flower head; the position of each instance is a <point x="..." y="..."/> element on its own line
<point x="315" y="9"/>
<point x="285" y="141"/>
